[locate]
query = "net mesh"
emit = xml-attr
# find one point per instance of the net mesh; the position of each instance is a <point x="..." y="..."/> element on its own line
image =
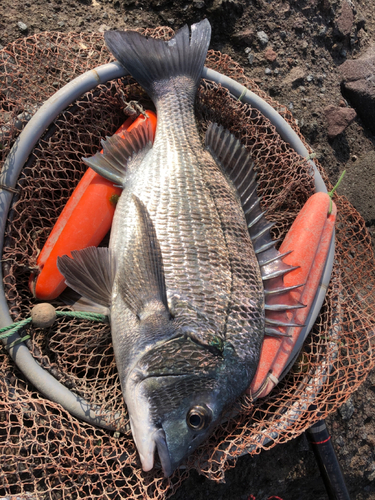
<point x="44" y="451"/>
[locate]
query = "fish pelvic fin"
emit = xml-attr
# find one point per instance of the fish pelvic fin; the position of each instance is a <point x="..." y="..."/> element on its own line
<point x="90" y="272"/>
<point x="143" y="286"/>
<point x="121" y="153"/>
<point x="150" y="61"/>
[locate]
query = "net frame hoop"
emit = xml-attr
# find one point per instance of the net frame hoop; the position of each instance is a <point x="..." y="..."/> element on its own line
<point x="23" y="146"/>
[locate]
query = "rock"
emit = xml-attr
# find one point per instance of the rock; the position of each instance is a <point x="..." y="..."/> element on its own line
<point x="43" y="315"/>
<point x="340" y="441"/>
<point x="360" y="178"/>
<point x="328" y="6"/>
<point x="270" y="54"/>
<point x="262" y="37"/>
<point x="228" y="7"/>
<point x="103" y="27"/>
<point x="310" y="130"/>
<point x="246" y="36"/>
<point x="299" y="25"/>
<point x="22" y="26"/>
<point x="360" y="21"/>
<point x="295" y="77"/>
<point x="347" y="409"/>
<point x="358" y="85"/>
<point x="61" y="24"/>
<point x="268" y="71"/>
<point x="338" y="119"/>
<point x="199" y="4"/>
<point x="345" y="20"/>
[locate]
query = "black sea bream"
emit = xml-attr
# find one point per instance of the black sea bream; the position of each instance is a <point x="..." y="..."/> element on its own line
<point x="180" y="278"/>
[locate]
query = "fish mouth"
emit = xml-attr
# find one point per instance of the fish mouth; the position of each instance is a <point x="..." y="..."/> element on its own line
<point x="162" y="447"/>
<point x="146" y="434"/>
<point x="147" y="456"/>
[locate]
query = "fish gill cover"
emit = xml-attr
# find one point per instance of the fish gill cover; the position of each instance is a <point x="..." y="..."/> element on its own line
<point x="44" y="451"/>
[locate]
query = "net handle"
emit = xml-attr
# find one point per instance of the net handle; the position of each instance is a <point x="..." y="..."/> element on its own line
<point x="23" y="146"/>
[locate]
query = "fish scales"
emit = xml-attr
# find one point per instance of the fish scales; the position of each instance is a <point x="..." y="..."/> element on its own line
<point x="186" y="301"/>
<point x="189" y="224"/>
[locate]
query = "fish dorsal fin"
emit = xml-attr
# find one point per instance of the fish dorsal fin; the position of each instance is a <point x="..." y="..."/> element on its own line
<point x="236" y="164"/>
<point x="144" y="281"/>
<point x="232" y="158"/>
<point x="119" y="153"/>
<point x="90" y="272"/>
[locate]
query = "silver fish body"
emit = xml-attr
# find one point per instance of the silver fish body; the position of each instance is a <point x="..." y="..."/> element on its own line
<point x="185" y="290"/>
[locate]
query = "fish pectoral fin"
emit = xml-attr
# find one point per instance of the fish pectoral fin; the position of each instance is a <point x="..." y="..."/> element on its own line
<point x="82" y="304"/>
<point x="142" y="282"/>
<point x="90" y="272"/>
<point x="120" y="153"/>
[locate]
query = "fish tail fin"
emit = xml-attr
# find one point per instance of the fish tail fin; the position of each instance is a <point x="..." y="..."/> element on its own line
<point x="149" y="61"/>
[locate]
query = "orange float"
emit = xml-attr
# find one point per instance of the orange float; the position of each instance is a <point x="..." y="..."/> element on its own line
<point x="84" y="221"/>
<point x="309" y="239"/>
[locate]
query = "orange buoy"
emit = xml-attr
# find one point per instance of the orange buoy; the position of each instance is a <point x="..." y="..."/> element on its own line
<point x="309" y="239"/>
<point x="84" y="221"/>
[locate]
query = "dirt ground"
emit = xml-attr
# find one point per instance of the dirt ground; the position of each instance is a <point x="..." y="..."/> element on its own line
<point x="273" y="40"/>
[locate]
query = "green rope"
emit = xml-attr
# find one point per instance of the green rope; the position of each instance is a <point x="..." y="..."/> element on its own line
<point x="331" y="193"/>
<point x="8" y="331"/>
<point x="18" y="341"/>
<point x="83" y="315"/>
<point x="242" y="94"/>
<point x="13" y="328"/>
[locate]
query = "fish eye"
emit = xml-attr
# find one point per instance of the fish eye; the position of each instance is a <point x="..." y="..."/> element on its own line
<point x="198" y="417"/>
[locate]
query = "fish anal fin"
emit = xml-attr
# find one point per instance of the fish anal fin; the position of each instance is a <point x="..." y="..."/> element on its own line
<point x="90" y="272"/>
<point x="142" y="284"/>
<point x="122" y="152"/>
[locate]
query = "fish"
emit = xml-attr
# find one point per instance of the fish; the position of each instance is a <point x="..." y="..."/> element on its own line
<point x="181" y="277"/>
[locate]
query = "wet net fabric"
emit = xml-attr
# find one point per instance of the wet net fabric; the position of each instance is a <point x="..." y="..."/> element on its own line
<point x="44" y="451"/>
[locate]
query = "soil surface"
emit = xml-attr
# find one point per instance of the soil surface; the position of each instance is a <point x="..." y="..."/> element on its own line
<point x="293" y="50"/>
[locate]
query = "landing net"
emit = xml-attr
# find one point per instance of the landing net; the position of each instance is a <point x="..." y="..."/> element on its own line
<point x="44" y="451"/>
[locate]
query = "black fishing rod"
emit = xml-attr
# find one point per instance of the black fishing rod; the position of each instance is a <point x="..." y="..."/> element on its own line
<point x="329" y="466"/>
